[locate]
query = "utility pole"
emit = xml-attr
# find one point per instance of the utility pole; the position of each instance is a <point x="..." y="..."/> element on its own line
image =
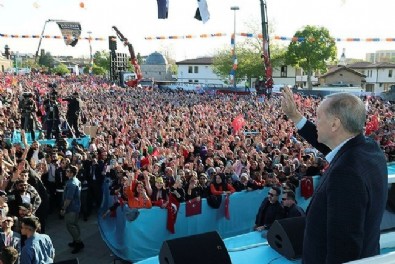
<point x="90" y="52"/>
<point x="234" y="8"/>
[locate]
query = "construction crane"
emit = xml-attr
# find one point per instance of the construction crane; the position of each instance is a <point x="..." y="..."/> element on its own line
<point x="133" y="59"/>
<point x="268" y="81"/>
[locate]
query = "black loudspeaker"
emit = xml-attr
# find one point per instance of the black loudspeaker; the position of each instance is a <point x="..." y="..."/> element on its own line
<point x="207" y="248"/>
<point x="286" y="236"/>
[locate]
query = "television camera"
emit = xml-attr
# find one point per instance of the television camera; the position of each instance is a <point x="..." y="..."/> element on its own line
<point x="27" y="104"/>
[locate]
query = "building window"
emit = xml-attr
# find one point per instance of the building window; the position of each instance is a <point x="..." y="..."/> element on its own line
<point x="196" y="81"/>
<point x="190" y="69"/>
<point x="380" y="84"/>
<point x="190" y="81"/>
<point x="196" y="69"/>
<point x="390" y="73"/>
<point x="160" y="73"/>
<point x="284" y="71"/>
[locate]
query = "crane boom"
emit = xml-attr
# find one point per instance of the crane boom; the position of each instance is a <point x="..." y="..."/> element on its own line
<point x="133" y="58"/>
<point x="268" y="85"/>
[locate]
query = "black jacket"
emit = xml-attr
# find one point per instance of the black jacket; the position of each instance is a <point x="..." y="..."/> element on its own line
<point x="344" y="216"/>
<point x="268" y="213"/>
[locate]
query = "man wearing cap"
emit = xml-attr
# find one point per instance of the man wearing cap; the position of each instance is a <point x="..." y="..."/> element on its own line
<point x="9" y="238"/>
<point x="38" y="248"/>
<point x="69" y="154"/>
<point x="71" y="208"/>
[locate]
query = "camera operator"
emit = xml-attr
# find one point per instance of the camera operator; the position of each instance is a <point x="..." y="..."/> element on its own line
<point x="28" y="110"/>
<point x="73" y="112"/>
<point x="52" y="120"/>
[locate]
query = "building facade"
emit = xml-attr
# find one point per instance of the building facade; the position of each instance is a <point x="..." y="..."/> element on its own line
<point x="200" y="71"/>
<point x="379" y="76"/>
<point x="156" y="67"/>
<point x="381" y="56"/>
<point x="342" y="75"/>
<point x="5" y="64"/>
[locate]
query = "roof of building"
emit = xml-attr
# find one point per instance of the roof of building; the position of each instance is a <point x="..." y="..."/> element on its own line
<point x="340" y="68"/>
<point x="156" y="58"/>
<point x="197" y="61"/>
<point x="360" y="64"/>
<point x="384" y="65"/>
<point x="365" y="64"/>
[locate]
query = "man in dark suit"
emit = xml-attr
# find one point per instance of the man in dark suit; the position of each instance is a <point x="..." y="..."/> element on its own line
<point x="344" y="215"/>
<point x="291" y="209"/>
<point x="269" y="211"/>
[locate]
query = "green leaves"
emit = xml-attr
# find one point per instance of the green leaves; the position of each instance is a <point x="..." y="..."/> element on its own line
<point x="315" y="50"/>
<point x="250" y="64"/>
<point x="61" y="69"/>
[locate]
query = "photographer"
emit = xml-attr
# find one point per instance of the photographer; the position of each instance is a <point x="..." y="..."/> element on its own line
<point x="28" y="109"/>
<point x="52" y="120"/>
<point x="73" y="112"/>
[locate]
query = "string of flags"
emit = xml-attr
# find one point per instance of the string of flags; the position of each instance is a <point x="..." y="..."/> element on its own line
<point x="212" y="35"/>
<point x="209" y="35"/>
<point x="48" y="37"/>
<point x="276" y="37"/>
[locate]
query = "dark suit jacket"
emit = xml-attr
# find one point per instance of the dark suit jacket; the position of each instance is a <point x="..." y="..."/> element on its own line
<point x="15" y="240"/>
<point x="97" y="169"/>
<point x="293" y="211"/>
<point x="268" y="213"/>
<point x="344" y="215"/>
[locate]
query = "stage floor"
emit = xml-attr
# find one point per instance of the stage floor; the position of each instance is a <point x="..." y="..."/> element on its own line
<point x="251" y="248"/>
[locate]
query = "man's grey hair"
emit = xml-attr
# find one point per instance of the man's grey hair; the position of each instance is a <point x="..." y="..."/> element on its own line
<point x="349" y="109"/>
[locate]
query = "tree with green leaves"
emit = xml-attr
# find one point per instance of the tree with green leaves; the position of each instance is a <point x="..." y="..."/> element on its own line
<point x="32" y="64"/>
<point x="97" y="70"/>
<point x="249" y="62"/>
<point x="314" y="49"/>
<point x="46" y="60"/>
<point x="101" y="59"/>
<point x="61" y="69"/>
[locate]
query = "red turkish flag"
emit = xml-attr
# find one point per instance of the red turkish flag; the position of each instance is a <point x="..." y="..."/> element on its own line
<point x="172" y="210"/>
<point x="238" y="123"/>
<point x="193" y="207"/>
<point x="227" y="214"/>
<point x="372" y="125"/>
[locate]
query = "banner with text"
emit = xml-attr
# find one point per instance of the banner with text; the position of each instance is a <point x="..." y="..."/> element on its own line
<point x="71" y="32"/>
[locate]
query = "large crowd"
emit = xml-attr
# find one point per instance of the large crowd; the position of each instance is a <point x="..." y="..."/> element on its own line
<point x="153" y="144"/>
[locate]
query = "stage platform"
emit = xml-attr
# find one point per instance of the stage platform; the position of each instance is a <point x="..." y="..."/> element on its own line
<point x="251" y="248"/>
<point x="140" y="240"/>
<point x="16" y="138"/>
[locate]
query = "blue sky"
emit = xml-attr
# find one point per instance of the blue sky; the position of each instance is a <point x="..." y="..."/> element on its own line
<point x="137" y="19"/>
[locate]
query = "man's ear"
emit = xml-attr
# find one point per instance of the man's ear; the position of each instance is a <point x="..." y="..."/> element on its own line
<point x="336" y="124"/>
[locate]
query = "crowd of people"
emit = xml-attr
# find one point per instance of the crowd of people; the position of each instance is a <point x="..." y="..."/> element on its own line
<point x="151" y="144"/>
